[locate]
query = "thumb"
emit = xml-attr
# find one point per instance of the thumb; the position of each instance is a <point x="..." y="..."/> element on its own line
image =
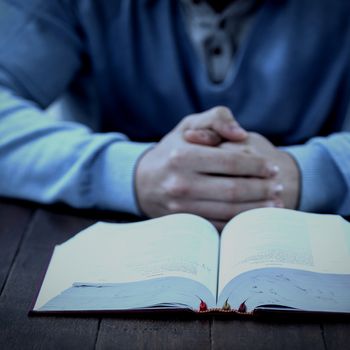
<point x="204" y="137"/>
<point x="219" y="120"/>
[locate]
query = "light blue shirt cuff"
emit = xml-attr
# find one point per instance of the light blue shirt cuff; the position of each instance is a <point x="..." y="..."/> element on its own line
<point x="321" y="184"/>
<point x="115" y="183"/>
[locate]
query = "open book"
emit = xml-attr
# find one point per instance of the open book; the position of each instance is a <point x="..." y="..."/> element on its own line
<point x="264" y="258"/>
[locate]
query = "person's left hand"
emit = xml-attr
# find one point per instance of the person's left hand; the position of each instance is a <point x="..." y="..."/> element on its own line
<point x="288" y="175"/>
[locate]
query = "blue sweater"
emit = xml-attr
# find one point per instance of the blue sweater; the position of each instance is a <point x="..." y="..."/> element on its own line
<point x="127" y="74"/>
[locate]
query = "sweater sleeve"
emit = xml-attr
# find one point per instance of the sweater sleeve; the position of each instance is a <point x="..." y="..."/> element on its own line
<point x="41" y="159"/>
<point x="324" y="163"/>
<point x="49" y="161"/>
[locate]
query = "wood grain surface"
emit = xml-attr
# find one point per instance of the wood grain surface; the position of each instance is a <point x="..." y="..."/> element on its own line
<point x="28" y="233"/>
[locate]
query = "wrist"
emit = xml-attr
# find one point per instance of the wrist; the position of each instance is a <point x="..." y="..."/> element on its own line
<point x="141" y="173"/>
<point x="291" y="179"/>
<point x="321" y="182"/>
<point x="115" y="188"/>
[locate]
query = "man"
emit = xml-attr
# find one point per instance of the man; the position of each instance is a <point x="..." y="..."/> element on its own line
<point x="129" y="72"/>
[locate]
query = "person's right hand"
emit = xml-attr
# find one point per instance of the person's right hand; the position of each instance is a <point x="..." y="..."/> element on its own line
<point x="177" y="176"/>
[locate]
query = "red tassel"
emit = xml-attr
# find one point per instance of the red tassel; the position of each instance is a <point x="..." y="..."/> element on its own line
<point x="203" y="306"/>
<point x="242" y="308"/>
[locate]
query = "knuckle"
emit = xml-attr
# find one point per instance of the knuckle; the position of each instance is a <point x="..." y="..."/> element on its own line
<point x="176" y="157"/>
<point x="232" y="191"/>
<point x="262" y="166"/>
<point x="188" y="120"/>
<point x="177" y="187"/>
<point x="221" y="112"/>
<point x="174" y="207"/>
<point x="256" y="138"/>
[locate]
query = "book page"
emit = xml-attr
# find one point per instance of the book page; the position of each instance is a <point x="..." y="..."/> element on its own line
<point x="282" y="238"/>
<point x="180" y="245"/>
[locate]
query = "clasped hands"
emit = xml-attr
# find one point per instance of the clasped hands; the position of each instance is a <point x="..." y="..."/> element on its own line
<point x="209" y="166"/>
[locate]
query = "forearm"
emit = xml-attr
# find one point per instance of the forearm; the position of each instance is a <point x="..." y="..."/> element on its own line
<point x="324" y="164"/>
<point x="49" y="161"/>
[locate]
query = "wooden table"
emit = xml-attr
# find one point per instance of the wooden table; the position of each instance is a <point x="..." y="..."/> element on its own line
<point x="28" y="234"/>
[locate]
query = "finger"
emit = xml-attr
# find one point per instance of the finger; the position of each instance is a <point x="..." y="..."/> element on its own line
<point x="221" y="211"/>
<point x="219" y="119"/>
<point x="238" y="147"/>
<point x="202" y="136"/>
<point x="229" y="189"/>
<point x="212" y="160"/>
